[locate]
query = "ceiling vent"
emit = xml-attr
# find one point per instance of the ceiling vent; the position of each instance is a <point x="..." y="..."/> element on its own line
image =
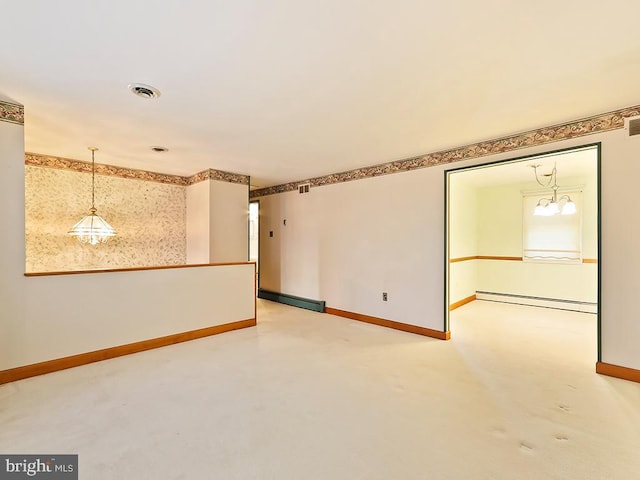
<point x="304" y="188"/>
<point x="144" y="91"/>
<point x="633" y="126"/>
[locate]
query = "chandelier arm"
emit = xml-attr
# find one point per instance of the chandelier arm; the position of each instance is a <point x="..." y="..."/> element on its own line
<point x="544" y="184"/>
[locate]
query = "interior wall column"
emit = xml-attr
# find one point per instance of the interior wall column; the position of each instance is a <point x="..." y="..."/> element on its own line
<point x="12" y="259"/>
<point x="218" y="218"/>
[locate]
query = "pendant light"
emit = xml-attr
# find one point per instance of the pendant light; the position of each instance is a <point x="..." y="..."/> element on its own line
<point x="555" y="205"/>
<point x="92" y="229"/>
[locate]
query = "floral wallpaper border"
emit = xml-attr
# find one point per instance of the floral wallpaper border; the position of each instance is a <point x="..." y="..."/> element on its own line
<point x="212" y="174"/>
<point x="38" y="160"/>
<point x="599" y="123"/>
<point x="12" y="113"/>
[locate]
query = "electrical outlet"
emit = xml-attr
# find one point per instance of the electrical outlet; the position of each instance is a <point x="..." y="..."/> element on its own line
<point x="385" y="297"/>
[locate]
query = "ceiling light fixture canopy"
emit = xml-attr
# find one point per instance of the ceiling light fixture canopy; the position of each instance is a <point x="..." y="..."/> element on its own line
<point x="92" y="229"/>
<point x="555" y="205"/>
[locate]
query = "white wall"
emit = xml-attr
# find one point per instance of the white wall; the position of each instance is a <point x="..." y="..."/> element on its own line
<point x="463" y="238"/>
<point x="300" y="238"/>
<point x="12" y="257"/>
<point x="86" y="312"/>
<point x="217" y="222"/>
<point x="488" y="221"/>
<point x="198" y="222"/>
<point x="620" y="254"/>
<point x="229" y="222"/>
<point x="347" y="243"/>
<point x="500" y="221"/>
<point x="500" y="234"/>
<point x="387" y="233"/>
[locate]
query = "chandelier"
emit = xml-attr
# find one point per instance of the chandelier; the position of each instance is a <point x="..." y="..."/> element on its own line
<point x="92" y="229"/>
<point x="554" y="205"/>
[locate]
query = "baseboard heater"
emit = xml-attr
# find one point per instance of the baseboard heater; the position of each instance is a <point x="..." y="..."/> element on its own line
<point x="572" y="305"/>
<point x="315" y="305"/>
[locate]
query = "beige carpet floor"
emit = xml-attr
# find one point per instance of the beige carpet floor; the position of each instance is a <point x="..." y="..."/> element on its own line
<point x="309" y="396"/>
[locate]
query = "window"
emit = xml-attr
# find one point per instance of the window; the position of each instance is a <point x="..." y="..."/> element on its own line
<point x="554" y="238"/>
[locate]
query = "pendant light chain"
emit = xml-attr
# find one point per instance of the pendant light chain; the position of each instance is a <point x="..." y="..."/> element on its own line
<point x="93" y="179"/>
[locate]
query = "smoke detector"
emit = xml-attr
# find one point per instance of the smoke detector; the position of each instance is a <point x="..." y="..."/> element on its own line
<point x="144" y="91"/>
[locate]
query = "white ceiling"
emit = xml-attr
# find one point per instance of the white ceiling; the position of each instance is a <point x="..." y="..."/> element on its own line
<point x="286" y="90"/>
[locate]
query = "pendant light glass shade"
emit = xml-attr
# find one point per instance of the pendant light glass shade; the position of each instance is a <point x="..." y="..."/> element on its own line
<point x="92" y="229"/>
<point x="540" y="210"/>
<point x="569" y="208"/>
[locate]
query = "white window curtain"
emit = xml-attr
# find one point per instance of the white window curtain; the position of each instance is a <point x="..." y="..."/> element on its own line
<point x="556" y="238"/>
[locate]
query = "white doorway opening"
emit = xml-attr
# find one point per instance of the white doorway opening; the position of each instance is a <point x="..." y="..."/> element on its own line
<point x="498" y="249"/>
<point x="254" y="236"/>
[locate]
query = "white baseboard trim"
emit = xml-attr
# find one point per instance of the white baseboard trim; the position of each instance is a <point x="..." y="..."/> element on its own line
<point x="572" y="305"/>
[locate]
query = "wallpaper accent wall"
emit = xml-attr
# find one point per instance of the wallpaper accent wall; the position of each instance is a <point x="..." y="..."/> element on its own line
<point x="149" y="217"/>
<point x="587" y="126"/>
